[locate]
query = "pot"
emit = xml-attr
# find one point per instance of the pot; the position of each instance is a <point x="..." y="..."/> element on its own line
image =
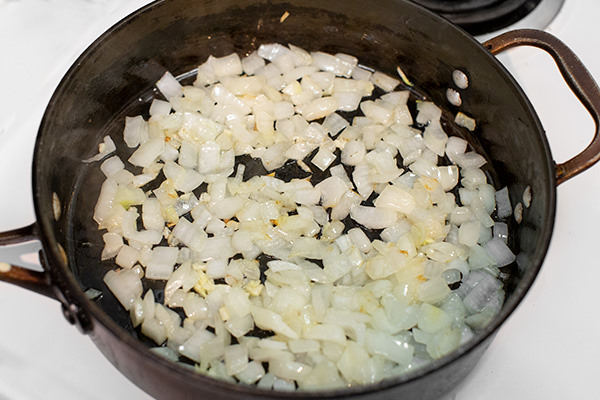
<point x="121" y="67"/>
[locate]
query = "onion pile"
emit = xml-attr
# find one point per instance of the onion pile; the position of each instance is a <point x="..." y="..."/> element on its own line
<point x="390" y="259"/>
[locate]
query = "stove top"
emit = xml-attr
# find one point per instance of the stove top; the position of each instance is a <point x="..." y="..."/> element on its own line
<point x="480" y="17"/>
<point x="548" y="349"/>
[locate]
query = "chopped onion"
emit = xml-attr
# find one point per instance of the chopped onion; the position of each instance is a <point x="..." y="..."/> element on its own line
<point x="162" y="262"/>
<point x="147" y="153"/>
<point x="374" y="217"/>
<point x="104" y="149"/>
<point x="499" y="250"/>
<point x="355" y="270"/>
<point x="397" y="199"/>
<point x="112" y="245"/>
<point x="353" y="152"/>
<point x="169" y="86"/>
<point x="228" y="65"/>
<point x="125" y="284"/>
<point x="385" y="82"/>
<point x="136" y="128"/>
<point x="465" y="121"/>
<point x="269" y="320"/>
<point x="503" y="206"/>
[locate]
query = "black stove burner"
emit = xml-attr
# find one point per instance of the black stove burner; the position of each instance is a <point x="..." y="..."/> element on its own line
<point x="481" y="16"/>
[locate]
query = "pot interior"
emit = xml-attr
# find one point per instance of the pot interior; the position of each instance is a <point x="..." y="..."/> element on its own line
<point x="115" y="77"/>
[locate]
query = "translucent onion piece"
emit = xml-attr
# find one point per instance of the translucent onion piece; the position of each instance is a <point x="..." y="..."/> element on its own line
<point x="169" y="86"/>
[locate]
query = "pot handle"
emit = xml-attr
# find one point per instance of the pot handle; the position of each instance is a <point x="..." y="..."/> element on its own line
<point x="40" y="282"/>
<point x="26" y="278"/>
<point x="577" y="77"/>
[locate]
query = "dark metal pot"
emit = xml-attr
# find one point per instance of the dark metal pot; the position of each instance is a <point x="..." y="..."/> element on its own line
<point x="115" y="76"/>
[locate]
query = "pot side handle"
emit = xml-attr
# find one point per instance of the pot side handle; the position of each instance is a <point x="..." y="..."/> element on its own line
<point x="577" y="77"/>
<point x="26" y="278"/>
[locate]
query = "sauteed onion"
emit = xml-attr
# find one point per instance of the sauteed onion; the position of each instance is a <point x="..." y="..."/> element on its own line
<point x="383" y="252"/>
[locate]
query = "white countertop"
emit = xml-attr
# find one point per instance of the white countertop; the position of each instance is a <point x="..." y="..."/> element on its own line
<point x="549" y="347"/>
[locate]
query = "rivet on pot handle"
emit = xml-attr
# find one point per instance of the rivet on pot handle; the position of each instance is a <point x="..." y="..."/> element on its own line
<point x="577" y="77"/>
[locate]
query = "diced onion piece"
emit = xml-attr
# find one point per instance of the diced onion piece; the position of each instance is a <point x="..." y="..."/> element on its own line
<point x="455" y="147"/>
<point x="347" y="101"/>
<point x="104" y="149"/>
<point x="227" y="208"/>
<point x="125" y="284"/>
<point x="236" y="359"/>
<point x="289" y="370"/>
<point x="327" y="332"/>
<point x="252" y="63"/>
<point x="112" y="244"/>
<point x="362" y="180"/>
<point x="433" y="319"/>
<point x="272" y="51"/>
<point x="483" y="287"/>
<point x="390" y="347"/>
<point x="500" y="251"/>
<point x="376" y="112"/>
<point x="136" y="129"/>
<point x="127" y="257"/>
<point x="319" y="108"/>
<point x="424" y="167"/>
<point x="228" y="65"/>
<point x="435" y="138"/>
<point x="428" y="112"/>
<point x="111" y="166"/>
<point x="353" y="152"/>
<point x="323" y="159"/>
<point x="334" y="124"/>
<point x="503" y="205"/>
<point x="162" y="262"/>
<point x="269" y="320"/>
<point x="465" y="121"/>
<point x="470" y="160"/>
<point x="147" y="153"/>
<point x="448" y="176"/>
<point x="500" y="230"/>
<point x="169" y="86"/>
<point x="374" y="217"/>
<point x="356" y="366"/>
<point x="468" y="233"/>
<point x="331" y="63"/>
<point x="385" y="82"/>
<point x="158" y="108"/>
<point x="332" y="189"/>
<point x="153" y="329"/>
<point x="189" y="234"/>
<point x="396" y="198"/>
<point x="360" y="239"/>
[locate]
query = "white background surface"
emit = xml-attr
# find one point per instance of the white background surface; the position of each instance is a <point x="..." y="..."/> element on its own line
<point x="548" y="349"/>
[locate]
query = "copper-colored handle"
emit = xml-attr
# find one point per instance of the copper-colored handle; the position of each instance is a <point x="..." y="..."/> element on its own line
<point x="577" y="77"/>
<point x="38" y="282"/>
